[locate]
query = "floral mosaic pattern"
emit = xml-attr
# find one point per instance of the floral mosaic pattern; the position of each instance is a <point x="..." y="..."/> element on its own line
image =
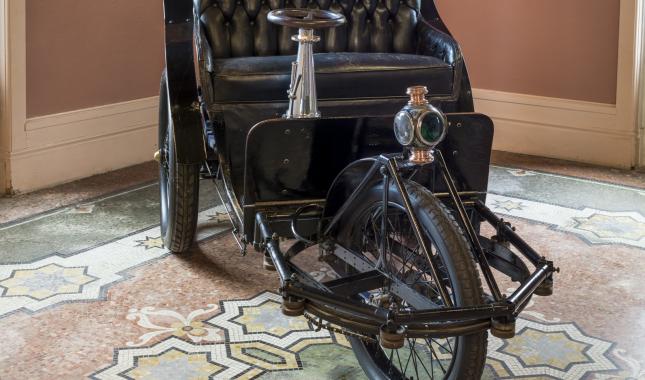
<point x="260" y="318"/>
<point x="174" y="364"/>
<point x="594" y="226"/>
<point x="173" y="358"/>
<point x="558" y="350"/>
<point x="193" y="345"/>
<point x="265" y="344"/>
<point x="252" y="339"/>
<point x="605" y="226"/>
<point x="151" y="242"/>
<point x="85" y="276"/>
<point x="508" y="205"/>
<point x="267" y="317"/>
<point x="164" y="322"/>
<point x="44" y="282"/>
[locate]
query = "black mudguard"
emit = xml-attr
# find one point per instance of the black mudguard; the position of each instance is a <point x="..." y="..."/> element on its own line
<point x="182" y="82"/>
<point x="467" y="150"/>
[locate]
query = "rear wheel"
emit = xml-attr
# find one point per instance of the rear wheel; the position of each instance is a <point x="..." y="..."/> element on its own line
<point x="178" y="184"/>
<point x="460" y="357"/>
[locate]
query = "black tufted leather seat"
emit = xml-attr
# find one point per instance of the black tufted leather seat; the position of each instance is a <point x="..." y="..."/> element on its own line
<point x="239" y="28"/>
<point x="338" y="76"/>
<point x="385" y="47"/>
<point x="362" y="68"/>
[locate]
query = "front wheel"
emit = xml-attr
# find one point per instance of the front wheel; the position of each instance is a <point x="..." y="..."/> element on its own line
<point x="399" y="256"/>
<point x="178" y="184"/>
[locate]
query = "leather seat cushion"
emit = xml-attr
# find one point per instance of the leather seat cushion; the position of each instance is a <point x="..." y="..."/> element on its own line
<point x="338" y="76"/>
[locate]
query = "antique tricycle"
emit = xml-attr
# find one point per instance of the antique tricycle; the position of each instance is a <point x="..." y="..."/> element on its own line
<point x="313" y="145"/>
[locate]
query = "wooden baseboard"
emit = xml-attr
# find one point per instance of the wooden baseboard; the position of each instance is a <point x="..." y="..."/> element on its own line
<point x="558" y="128"/>
<point x="5" y="188"/>
<point x="73" y="145"/>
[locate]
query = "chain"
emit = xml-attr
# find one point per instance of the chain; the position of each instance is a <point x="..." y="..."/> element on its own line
<point x="318" y="322"/>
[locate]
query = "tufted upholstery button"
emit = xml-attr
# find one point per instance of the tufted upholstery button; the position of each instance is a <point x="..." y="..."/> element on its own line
<point x="250" y="67"/>
<point x="372" y="26"/>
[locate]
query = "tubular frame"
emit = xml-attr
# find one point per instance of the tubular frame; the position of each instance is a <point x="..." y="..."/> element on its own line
<point x="356" y="315"/>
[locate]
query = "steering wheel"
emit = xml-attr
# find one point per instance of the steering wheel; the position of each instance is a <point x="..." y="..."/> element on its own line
<point x="303" y="18"/>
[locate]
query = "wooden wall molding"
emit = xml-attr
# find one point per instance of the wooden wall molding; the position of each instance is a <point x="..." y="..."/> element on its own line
<point x="5" y="137"/>
<point x="72" y="145"/>
<point x="53" y="149"/>
<point x="45" y="151"/>
<point x="13" y="84"/>
<point x="630" y="48"/>
<point x="558" y="128"/>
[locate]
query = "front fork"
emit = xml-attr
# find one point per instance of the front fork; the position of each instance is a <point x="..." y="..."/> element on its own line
<point x="502" y="312"/>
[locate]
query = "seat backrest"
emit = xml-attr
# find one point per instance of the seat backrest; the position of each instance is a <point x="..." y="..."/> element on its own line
<point x="239" y="28"/>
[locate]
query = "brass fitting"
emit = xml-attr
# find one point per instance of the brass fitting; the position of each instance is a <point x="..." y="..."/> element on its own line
<point x="421" y="156"/>
<point x="417" y="95"/>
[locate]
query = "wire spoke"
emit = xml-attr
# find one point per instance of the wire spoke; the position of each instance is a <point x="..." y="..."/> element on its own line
<point x="407" y="363"/>
<point x="396" y="252"/>
<point x="399" y="359"/>
<point x="433" y="352"/>
<point x="431" y="374"/>
<point x="441" y="345"/>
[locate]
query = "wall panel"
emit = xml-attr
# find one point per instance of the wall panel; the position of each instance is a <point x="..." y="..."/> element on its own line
<point x="552" y="48"/>
<point x="86" y="53"/>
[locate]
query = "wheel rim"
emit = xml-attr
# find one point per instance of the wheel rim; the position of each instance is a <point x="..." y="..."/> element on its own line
<point x="164" y="184"/>
<point x="165" y="159"/>
<point x="427" y="358"/>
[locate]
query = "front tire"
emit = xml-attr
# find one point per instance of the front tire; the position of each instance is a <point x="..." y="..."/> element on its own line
<point x="178" y="184"/>
<point x="455" y="358"/>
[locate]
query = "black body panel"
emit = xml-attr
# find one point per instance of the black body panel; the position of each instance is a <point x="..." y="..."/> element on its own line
<point x="294" y="160"/>
<point x="467" y="150"/>
<point x="182" y="82"/>
<point x="201" y="32"/>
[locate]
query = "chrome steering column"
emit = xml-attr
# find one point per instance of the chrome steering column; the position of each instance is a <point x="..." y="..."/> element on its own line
<point x="303" y="100"/>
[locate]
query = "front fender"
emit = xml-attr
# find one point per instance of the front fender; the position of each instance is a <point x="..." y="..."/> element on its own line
<point x="346" y="182"/>
<point x="182" y="82"/>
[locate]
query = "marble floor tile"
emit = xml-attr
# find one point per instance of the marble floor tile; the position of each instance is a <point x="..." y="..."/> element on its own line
<point x="87" y="290"/>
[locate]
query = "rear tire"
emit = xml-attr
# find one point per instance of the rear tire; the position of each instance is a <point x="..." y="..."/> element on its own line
<point x="469" y="353"/>
<point x="178" y="184"/>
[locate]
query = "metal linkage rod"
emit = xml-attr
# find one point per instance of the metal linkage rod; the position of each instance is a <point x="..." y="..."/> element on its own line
<point x="472" y="235"/>
<point x="456" y="314"/>
<point x="273" y="247"/>
<point x="522" y="294"/>
<point x="382" y="260"/>
<point x="509" y="234"/>
<point x="318" y="296"/>
<point x="343" y="209"/>
<point x="416" y="226"/>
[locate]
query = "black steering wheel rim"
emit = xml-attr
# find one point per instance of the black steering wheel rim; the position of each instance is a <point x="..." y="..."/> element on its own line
<point x="304" y="18"/>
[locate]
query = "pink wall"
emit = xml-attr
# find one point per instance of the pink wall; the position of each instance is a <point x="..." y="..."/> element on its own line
<point x="84" y="53"/>
<point x="554" y="48"/>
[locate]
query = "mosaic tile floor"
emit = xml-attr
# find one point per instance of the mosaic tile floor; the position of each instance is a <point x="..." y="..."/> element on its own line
<point x="88" y="291"/>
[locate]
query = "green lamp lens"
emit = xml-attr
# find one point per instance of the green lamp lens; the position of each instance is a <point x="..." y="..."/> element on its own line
<point x="431" y="128"/>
